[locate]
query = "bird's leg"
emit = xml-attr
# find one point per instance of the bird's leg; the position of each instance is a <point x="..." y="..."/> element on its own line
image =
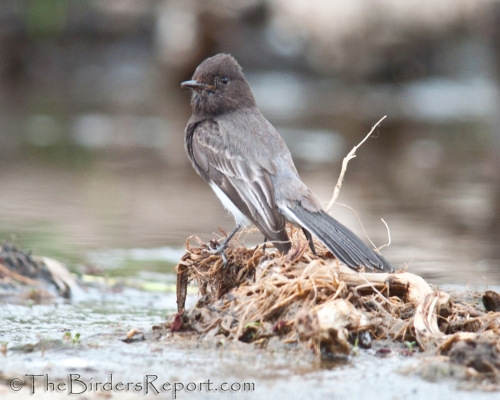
<point x="309" y="239"/>
<point x="220" y="248"/>
<point x="264" y="245"/>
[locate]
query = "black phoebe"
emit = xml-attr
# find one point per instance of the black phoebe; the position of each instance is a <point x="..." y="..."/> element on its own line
<point x="247" y="164"/>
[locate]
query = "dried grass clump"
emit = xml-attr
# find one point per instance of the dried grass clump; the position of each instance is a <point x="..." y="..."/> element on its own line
<point x="315" y="301"/>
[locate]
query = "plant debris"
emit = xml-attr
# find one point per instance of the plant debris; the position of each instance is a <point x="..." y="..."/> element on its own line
<point x="317" y="303"/>
<point x="491" y="301"/>
<point x="38" y="279"/>
<point x="134" y="335"/>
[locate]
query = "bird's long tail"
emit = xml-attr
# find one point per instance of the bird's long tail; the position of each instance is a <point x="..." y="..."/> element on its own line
<point x="340" y="240"/>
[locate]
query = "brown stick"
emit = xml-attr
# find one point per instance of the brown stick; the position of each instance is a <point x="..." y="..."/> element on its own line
<point x="18" y="277"/>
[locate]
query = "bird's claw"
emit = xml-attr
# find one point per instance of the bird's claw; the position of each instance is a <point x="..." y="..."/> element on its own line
<point x="216" y="248"/>
<point x="219" y="248"/>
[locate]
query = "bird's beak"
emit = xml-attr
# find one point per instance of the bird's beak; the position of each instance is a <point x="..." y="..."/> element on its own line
<point x="193" y="85"/>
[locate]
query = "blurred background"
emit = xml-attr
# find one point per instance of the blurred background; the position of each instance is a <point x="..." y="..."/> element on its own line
<point x="92" y="115"/>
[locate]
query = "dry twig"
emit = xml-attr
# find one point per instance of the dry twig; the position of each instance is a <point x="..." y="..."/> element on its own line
<point x="350" y="155"/>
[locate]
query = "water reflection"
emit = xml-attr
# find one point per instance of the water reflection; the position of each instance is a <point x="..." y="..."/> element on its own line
<point x="141" y="203"/>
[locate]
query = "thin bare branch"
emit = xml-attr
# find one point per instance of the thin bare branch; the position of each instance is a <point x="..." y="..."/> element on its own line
<point x="388" y="234"/>
<point x="347" y="158"/>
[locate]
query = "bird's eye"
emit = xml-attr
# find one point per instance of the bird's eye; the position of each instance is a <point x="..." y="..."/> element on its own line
<point x="224" y="80"/>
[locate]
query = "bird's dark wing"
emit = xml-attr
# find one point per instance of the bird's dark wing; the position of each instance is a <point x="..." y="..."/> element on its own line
<point x="247" y="184"/>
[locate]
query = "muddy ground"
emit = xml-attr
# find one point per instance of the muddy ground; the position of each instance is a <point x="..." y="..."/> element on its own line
<point x="82" y="343"/>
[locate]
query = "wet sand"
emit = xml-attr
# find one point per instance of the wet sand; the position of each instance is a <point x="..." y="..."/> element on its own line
<point x="36" y="344"/>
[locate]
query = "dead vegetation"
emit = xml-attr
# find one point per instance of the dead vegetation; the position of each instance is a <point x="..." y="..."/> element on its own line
<point x="323" y="306"/>
<point x="317" y="303"/>
<point x="33" y="278"/>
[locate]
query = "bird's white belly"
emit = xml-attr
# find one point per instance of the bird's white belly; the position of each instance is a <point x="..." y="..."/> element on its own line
<point x="239" y="217"/>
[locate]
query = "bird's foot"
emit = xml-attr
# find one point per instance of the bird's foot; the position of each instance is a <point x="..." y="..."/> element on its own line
<point x="216" y="248"/>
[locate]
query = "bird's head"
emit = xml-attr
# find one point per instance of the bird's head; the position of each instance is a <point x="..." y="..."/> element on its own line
<point x="219" y="86"/>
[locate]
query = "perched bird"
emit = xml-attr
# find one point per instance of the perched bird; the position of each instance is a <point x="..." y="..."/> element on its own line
<point x="246" y="162"/>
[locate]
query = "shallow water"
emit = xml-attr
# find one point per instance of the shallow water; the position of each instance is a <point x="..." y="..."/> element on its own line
<point x="97" y="217"/>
